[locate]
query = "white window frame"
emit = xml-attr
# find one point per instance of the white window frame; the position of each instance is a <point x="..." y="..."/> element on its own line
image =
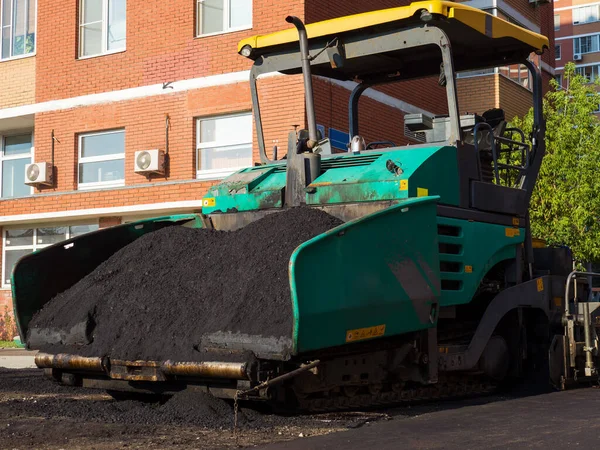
<point x="582" y="7"/>
<point x="595" y="71"/>
<point x="215" y="174"/>
<point x="92" y="159"/>
<point x="24" y="55"/>
<point x="34" y="245"/>
<point x="226" y="28"/>
<point x="12" y="158"/>
<point x="592" y="37"/>
<point x="555" y="27"/>
<point x="559" y="52"/>
<point x="81" y="25"/>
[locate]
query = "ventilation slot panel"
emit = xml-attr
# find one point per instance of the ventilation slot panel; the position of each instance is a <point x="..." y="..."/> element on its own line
<point x="449" y="249"/>
<point x="450" y="266"/>
<point x="447" y="230"/>
<point x="451" y="285"/>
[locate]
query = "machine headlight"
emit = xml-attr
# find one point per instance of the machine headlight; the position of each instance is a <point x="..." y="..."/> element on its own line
<point x="426" y="16"/>
<point x="246" y="51"/>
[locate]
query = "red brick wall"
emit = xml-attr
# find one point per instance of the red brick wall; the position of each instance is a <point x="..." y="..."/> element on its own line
<point x="477" y="94"/>
<point x="106" y="222"/>
<point x="317" y="11"/>
<point x="144" y="124"/>
<point x="513" y="98"/>
<point x="332" y="111"/>
<point x="17" y="78"/>
<point x="547" y="29"/>
<point x="128" y="196"/>
<point x="532" y="12"/>
<point x="281" y="101"/>
<point x="161" y="47"/>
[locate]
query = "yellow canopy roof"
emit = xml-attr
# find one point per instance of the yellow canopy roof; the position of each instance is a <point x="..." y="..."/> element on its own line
<point x="488" y="26"/>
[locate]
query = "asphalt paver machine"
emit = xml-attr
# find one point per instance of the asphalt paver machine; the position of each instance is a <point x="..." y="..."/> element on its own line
<point x="433" y="286"/>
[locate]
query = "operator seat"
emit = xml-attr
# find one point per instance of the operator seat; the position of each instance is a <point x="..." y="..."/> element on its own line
<point x="496" y="119"/>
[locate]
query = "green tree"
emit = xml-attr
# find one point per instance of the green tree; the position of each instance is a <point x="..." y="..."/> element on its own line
<point x="565" y="206"/>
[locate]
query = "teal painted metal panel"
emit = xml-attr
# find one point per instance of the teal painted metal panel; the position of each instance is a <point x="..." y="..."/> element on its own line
<point x="424" y="171"/>
<point x="382" y="269"/>
<point x="476" y="249"/>
<point x="345" y="179"/>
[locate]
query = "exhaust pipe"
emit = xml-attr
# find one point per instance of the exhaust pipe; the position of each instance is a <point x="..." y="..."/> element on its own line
<point x="308" y="89"/>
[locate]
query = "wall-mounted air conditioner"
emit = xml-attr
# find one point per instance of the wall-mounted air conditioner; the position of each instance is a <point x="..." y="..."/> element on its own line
<point x="39" y="174"/>
<point x="149" y="161"/>
<point x="576" y="57"/>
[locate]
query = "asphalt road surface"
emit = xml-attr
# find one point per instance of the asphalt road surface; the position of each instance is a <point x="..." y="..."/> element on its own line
<point x="550" y="420"/>
<point x="36" y="413"/>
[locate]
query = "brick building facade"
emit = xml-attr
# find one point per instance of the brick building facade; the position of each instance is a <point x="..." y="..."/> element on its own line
<point x="577" y="30"/>
<point x="87" y="83"/>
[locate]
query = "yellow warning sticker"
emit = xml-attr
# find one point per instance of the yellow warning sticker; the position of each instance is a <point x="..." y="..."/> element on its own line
<point x="468" y="269"/>
<point x="540" y="284"/>
<point x="422" y="192"/>
<point x="512" y="232"/>
<point x="365" y="333"/>
<point x="558" y="302"/>
<point x="208" y="202"/>
<point x="404" y="185"/>
<point x="516" y="221"/>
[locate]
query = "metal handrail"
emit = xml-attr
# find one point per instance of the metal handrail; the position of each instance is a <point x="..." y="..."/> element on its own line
<point x="523" y="146"/>
<point x="571" y="276"/>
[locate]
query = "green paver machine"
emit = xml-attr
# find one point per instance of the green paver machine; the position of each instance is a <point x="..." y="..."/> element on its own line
<point x="432" y="285"/>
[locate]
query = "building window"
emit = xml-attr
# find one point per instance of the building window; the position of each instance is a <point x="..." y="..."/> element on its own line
<point x="224" y="145"/>
<point x="558" y="79"/>
<point x="220" y="16"/>
<point x="585" y="44"/>
<point x="102" y="160"/>
<point x="556" y="22"/>
<point x="557" y="52"/>
<point x="16" y="154"/>
<point x="589" y="72"/>
<point x="102" y="26"/>
<point x="18" y="242"/>
<point x="586" y="14"/>
<point x="18" y="28"/>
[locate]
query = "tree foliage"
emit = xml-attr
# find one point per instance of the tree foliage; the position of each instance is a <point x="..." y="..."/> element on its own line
<point x="565" y="206"/>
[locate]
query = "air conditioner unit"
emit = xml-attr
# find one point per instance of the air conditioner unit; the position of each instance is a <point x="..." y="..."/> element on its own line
<point x="39" y="174"/>
<point x="576" y="57"/>
<point x="149" y="161"/>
